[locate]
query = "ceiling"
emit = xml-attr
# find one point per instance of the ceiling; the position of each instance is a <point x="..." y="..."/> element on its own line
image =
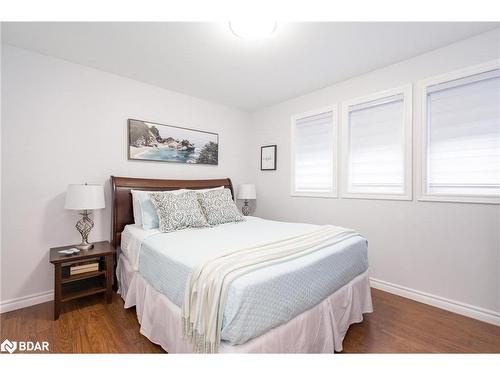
<point x="207" y="61"/>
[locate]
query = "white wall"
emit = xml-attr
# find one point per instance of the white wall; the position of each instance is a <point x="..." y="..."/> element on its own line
<point x="448" y="250"/>
<point x="64" y="123"/>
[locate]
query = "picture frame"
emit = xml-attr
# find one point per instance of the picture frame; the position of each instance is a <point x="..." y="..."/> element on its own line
<point x="151" y="141"/>
<point x="268" y="157"/>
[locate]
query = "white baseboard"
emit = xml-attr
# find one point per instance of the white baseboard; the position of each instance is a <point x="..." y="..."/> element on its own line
<point x="26" y="301"/>
<point x="485" y="315"/>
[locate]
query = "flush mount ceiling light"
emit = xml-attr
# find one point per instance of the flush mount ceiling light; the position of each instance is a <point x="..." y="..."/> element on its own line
<point x="253" y="30"/>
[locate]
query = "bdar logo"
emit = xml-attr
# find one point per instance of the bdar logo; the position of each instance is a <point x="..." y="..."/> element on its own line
<point x="24" y="346"/>
<point x="8" y="346"/>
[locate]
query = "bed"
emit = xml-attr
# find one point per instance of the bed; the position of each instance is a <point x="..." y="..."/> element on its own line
<point x="304" y="305"/>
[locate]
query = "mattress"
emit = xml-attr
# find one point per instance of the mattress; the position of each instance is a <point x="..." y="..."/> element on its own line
<point x="257" y="301"/>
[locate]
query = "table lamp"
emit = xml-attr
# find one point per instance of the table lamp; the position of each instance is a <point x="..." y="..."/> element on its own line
<point x="84" y="198"/>
<point x="245" y="193"/>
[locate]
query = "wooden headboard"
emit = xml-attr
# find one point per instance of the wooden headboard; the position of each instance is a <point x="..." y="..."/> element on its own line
<point x="122" y="213"/>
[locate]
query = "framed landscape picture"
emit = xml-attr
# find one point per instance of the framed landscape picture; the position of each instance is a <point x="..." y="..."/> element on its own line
<point x="268" y="158"/>
<point x="158" y="142"/>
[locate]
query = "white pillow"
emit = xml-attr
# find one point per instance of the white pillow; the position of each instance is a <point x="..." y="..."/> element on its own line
<point x="136" y="208"/>
<point x="205" y="190"/>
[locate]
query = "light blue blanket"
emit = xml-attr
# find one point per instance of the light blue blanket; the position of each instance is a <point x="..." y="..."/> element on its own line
<point x="265" y="298"/>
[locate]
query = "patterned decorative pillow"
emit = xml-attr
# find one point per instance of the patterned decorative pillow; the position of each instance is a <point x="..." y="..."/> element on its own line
<point x="218" y="207"/>
<point x="178" y="211"/>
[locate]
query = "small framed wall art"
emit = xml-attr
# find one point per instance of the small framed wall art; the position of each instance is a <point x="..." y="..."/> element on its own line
<point x="268" y="158"/>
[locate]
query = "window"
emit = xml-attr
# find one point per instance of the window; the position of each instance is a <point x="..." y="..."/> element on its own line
<point x="461" y="136"/>
<point x="314" y="149"/>
<point x="376" y="144"/>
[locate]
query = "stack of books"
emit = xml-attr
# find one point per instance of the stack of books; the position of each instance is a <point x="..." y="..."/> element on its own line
<point x="84" y="267"/>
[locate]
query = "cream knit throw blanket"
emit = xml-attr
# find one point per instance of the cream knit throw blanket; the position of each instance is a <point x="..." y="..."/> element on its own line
<point x="208" y="283"/>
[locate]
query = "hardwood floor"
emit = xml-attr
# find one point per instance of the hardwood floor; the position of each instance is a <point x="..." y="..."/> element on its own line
<point x="398" y="325"/>
<point x="87" y="325"/>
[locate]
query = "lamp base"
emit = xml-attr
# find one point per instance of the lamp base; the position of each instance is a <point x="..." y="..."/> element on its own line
<point x="84" y="226"/>
<point x="246" y="208"/>
<point x="85" y="246"/>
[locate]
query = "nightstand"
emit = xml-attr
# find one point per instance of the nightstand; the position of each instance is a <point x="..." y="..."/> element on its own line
<point x="69" y="287"/>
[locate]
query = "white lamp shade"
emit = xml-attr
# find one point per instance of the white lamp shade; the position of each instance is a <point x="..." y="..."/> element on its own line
<point x="84" y="197"/>
<point x="246" y="191"/>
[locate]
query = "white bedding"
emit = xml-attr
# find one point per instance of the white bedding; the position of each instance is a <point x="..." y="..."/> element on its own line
<point x="131" y="242"/>
<point x="318" y="330"/>
<point x="259" y="300"/>
<point x="185" y="244"/>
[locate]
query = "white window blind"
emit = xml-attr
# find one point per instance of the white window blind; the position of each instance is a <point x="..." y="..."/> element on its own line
<point x="375" y="144"/>
<point x="313" y="148"/>
<point x="463" y="136"/>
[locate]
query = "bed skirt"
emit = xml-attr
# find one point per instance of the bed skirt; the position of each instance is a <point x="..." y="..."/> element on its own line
<point x="320" y="329"/>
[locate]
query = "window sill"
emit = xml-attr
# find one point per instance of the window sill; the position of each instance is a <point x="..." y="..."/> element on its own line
<point x="313" y="195"/>
<point x="459" y="199"/>
<point x="391" y="197"/>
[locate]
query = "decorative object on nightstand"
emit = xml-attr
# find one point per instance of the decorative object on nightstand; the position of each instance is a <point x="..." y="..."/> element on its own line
<point x="245" y="193"/>
<point x="82" y="274"/>
<point x="84" y="198"/>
